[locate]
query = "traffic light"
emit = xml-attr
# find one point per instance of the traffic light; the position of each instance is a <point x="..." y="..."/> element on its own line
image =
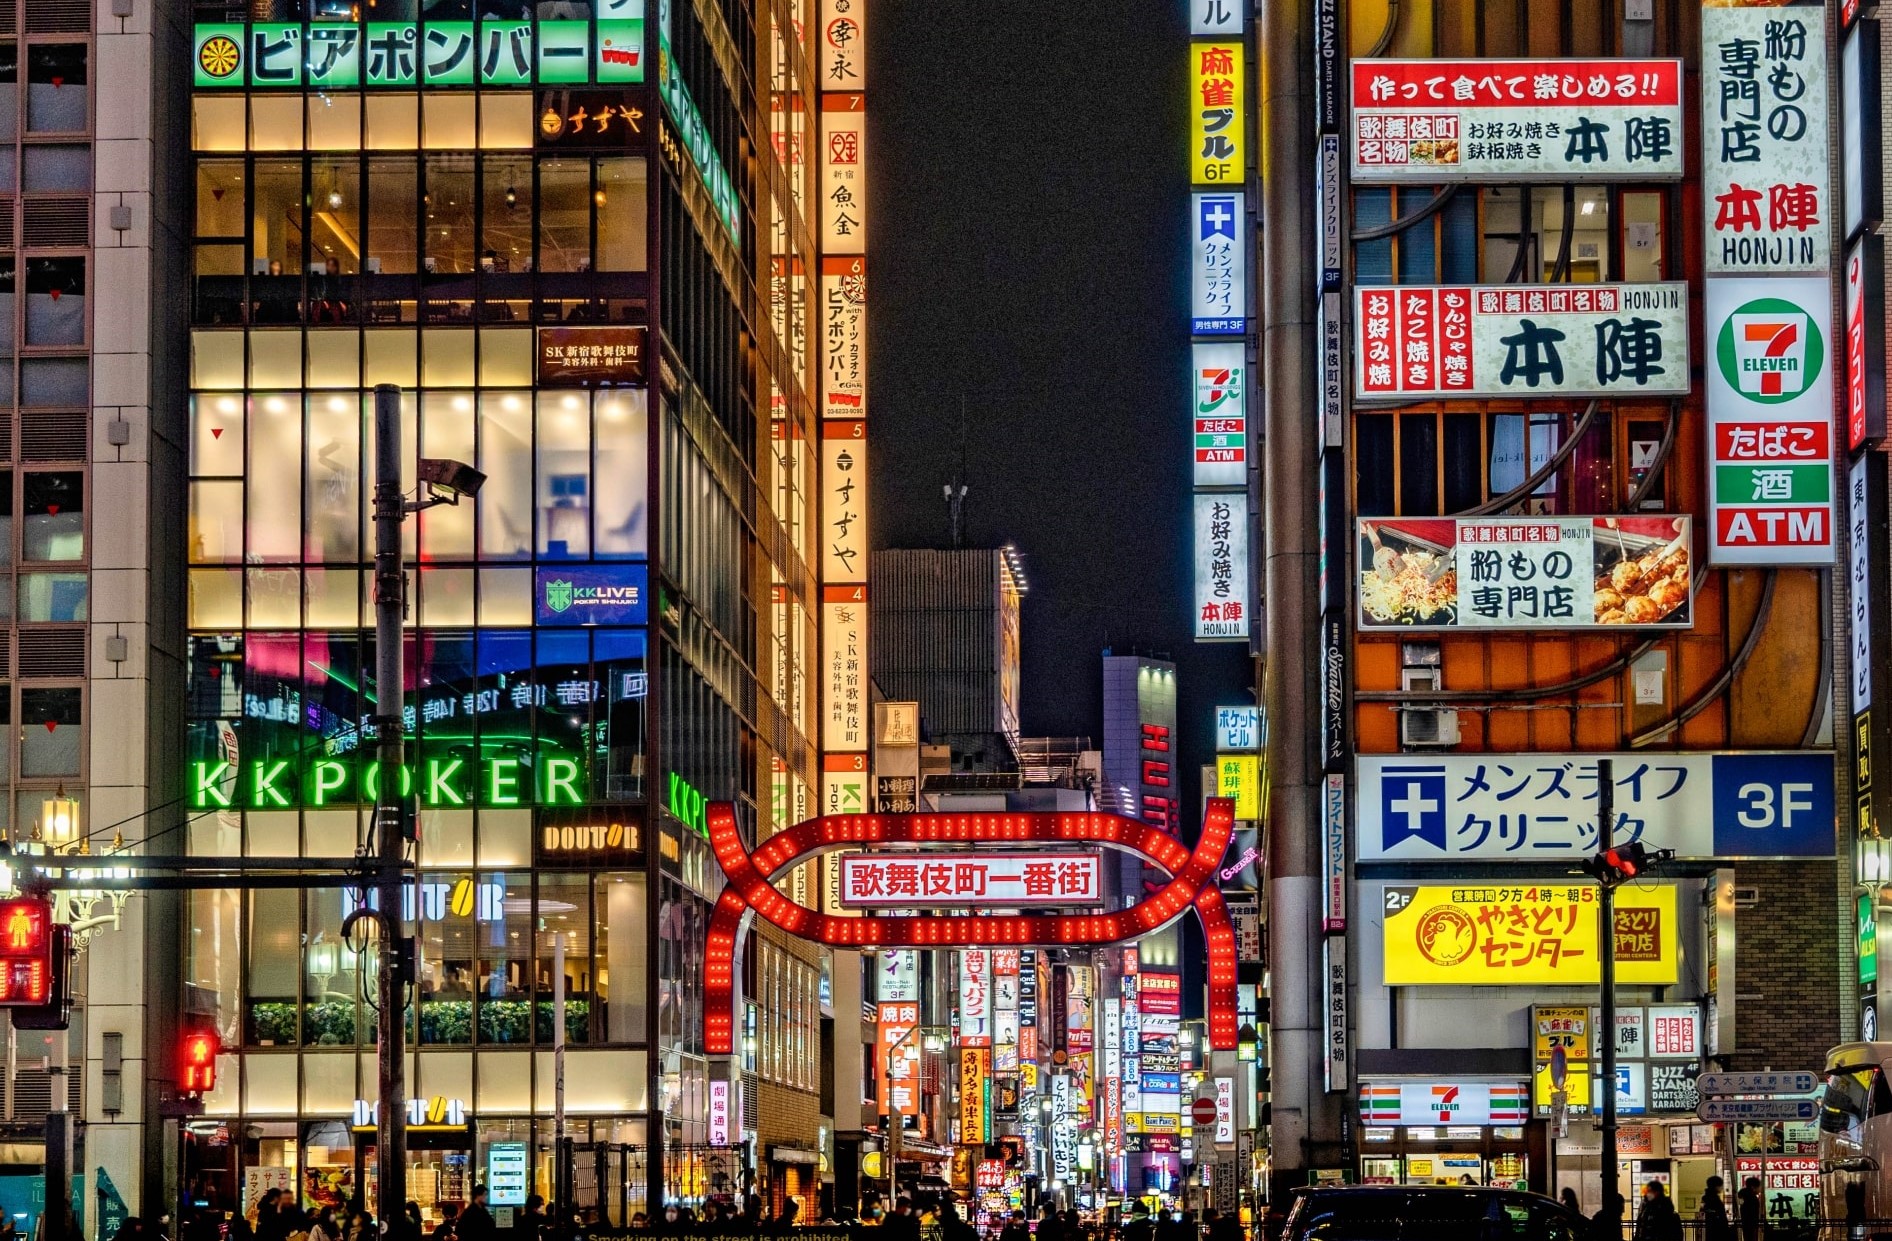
<point x="1622" y="863"/>
<point x="197" y="1062"/>
<point x="55" y="1012"/>
<point x="26" y="951"/>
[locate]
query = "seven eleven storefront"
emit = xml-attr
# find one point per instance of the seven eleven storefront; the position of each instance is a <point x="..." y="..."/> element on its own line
<point x="1426" y="1131"/>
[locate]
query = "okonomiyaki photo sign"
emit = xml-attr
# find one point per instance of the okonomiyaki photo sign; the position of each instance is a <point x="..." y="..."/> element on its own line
<point x="1525" y="572"/>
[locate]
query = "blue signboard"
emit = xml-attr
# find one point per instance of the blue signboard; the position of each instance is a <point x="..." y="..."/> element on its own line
<point x="1542" y="807"/>
<point x="591" y="594"/>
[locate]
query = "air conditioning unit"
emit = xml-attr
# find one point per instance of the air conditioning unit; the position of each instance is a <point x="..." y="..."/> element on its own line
<point x="1425" y="727"/>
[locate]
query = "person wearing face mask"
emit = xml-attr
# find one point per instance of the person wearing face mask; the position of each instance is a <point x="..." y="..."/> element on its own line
<point x="673" y="1220"/>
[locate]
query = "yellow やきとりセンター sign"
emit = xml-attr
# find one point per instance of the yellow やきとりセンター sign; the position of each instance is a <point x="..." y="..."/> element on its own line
<point x="1504" y="934"/>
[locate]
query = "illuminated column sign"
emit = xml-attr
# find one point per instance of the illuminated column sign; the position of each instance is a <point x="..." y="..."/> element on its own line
<point x="1219" y="233"/>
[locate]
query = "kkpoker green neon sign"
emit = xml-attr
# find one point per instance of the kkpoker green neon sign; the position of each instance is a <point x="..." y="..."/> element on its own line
<point x="439" y="783"/>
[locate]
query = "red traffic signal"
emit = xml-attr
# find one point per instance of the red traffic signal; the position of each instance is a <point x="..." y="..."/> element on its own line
<point x="197" y="1062"/>
<point x="26" y="951"/>
<point x="1625" y="862"/>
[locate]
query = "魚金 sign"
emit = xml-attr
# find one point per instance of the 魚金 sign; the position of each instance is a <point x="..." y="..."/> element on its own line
<point x="591" y="594"/>
<point x="591" y="357"/>
<point x="1770" y="416"/>
<point x="1524" y="572"/>
<point x="1542" y="807"/>
<point x="340" y="55"/>
<point x="1530" y="933"/>
<point x="1602" y="340"/>
<point x="1766" y="194"/>
<point x="1437" y="121"/>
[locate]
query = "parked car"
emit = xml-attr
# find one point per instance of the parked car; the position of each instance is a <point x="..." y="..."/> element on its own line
<point x="1426" y="1213"/>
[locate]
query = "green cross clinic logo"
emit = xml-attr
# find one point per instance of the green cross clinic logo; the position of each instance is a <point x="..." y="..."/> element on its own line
<point x="1770" y="351"/>
<point x="558" y="595"/>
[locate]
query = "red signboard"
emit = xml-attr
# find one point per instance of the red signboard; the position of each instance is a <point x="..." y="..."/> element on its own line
<point x="26" y="951"/>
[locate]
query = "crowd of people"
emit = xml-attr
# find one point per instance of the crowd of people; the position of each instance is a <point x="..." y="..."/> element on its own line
<point x="1658" y="1220"/>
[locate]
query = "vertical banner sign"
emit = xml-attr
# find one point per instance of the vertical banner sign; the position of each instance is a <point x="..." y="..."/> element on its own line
<point x="1221" y="597"/>
<point x="844" y="336"/>
<point x="844" y="500"/>
<point x="1862" y="160"/>
<point x="718" y="1112"/>
<point x="1217" y="112"/>
<point x="1333" y="952"/>
<point x="975" y="997"/>
<point x="1215" y="17"/>
<point x="1868" y="543"/>
<point x="1225" y="1111"/>
<point x="1005" y="1010"/>
<point x="1770" y="415"/>
<point x="975" y="1071"/>
<point x="1865" y="342"/>
<point x="1221" y="413"/>
<point x="844" y="664"/>
<point x="843" y="56"/>
<point x="900" y="1057"/>
<point x="843" y="791"/>
<point x="1333" y="865"/>
<point x="1219" y="272"/>
<point x="1766" y="185"/>
<point x="843" y="172"/>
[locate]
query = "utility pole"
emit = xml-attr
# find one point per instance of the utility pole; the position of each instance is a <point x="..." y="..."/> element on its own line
<point x="1606" y="940"/>
<point x="390" y="613"/>
<point x="1304" y="1119"/>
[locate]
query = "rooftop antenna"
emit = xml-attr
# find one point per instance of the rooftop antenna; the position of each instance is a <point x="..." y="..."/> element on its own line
<point x="955" y="491"/>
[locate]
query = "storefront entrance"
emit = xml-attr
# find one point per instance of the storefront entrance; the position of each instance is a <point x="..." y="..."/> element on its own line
<point x="1496" y="1155"/>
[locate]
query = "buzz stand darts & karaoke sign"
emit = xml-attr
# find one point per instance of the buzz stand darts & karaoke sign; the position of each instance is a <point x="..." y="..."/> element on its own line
<point x="1770" y="414"/>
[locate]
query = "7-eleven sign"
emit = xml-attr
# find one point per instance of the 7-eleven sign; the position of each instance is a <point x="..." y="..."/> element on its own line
<point x="1771" y="415"/>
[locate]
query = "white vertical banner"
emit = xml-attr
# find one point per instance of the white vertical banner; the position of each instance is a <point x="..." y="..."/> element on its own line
<point x="1220" y="413"/>
<point x="843" y="173"/>
<point x="1225" y="1111"/>
<point x="1221" y="595"/>
<point x="975" y="997"/>
<point x="1766" y="193"/>
<point x="1218" y="279"/>
<point x="841" y="54"/>
<point x="1859" y="573"/>
<point x="1215" y="16"/>
<point x="844" y="671"/>
<point x="844" y="500"/>
<point x="842" y="327"/>
<point x="1333" y="952"/>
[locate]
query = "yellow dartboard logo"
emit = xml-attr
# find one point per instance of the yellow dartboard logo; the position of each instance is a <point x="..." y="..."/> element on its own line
<point x="219" y="56"/>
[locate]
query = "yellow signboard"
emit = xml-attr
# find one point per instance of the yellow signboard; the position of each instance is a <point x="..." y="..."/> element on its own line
<point x="975" y="1070"/>
<point x="1239" y="776"/>
<point x="1577" y="1089"/>
<point x="1568" y="1028"/>
<point x="1218" y="113"/>
<point x="1535" y="934"/>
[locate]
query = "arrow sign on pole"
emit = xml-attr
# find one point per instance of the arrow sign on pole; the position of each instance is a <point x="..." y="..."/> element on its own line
<point x="1756" y="1083"/>
<point x="1757" y="1109"/>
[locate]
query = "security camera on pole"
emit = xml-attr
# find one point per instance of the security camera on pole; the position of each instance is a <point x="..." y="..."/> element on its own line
<point x="1613" y="866"/>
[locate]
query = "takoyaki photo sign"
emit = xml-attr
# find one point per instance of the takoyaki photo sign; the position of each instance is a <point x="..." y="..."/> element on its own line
<point x="1525" y="573"/>
<point x="1435" y="121"/>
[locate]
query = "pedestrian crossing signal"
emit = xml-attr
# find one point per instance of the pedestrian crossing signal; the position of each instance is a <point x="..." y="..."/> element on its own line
<point x="197" y="1063"/>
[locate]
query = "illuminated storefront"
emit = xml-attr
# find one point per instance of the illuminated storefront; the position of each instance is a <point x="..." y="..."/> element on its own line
<point x="468" y="209"/>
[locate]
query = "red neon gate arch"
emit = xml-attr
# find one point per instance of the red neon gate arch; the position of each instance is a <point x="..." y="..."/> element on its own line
<point x="750" y="889"/>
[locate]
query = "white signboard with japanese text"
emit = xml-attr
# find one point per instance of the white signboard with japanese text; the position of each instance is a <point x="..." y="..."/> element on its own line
<point x="1220" y="413"/>
<point x="1770" y="414"/>
<point x="1858" y="572"/>
<point x="1214" y="17"/>
<point x="842" y="62"/>
<point x="1436" y="121"/>
<point x="897" y="972"/>
<point x="1218" y="270"/>
<point x="1542" y="807"/>
<point x="1238" y="730"/>
<point x="843" y="328"/>
<point x="971" y="880"/>
<point x="844" y="500"/>
<point x="1221" y="597"/>
<point x="844" y="669"/>
<point x="1524" y="572"/>
<point x="1766" y="192"/>
<point x="844" y="173"/>
<point x="975" y="997"/>
<point x="1603" y="340"/>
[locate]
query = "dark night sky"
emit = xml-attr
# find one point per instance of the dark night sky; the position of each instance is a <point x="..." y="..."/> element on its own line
<point x="1027" y="252"/>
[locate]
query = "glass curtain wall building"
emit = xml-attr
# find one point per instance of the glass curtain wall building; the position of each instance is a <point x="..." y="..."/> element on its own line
<point x="547" y="225"/>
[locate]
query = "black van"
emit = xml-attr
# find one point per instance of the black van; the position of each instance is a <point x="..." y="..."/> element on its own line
<point x="1426" y="1213"/>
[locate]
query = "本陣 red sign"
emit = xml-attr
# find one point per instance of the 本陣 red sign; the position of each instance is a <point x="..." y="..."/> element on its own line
<point x="971" y="880"/>
<point x="1521" y="340"/>
<point x="1516" y="120"/>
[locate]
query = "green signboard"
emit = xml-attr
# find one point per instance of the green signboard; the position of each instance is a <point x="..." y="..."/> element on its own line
<point x="1868" y="942"/>
<point x="443" y="782"/>
<point x="395" y="55"/>
<point x="694" y="137"/>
